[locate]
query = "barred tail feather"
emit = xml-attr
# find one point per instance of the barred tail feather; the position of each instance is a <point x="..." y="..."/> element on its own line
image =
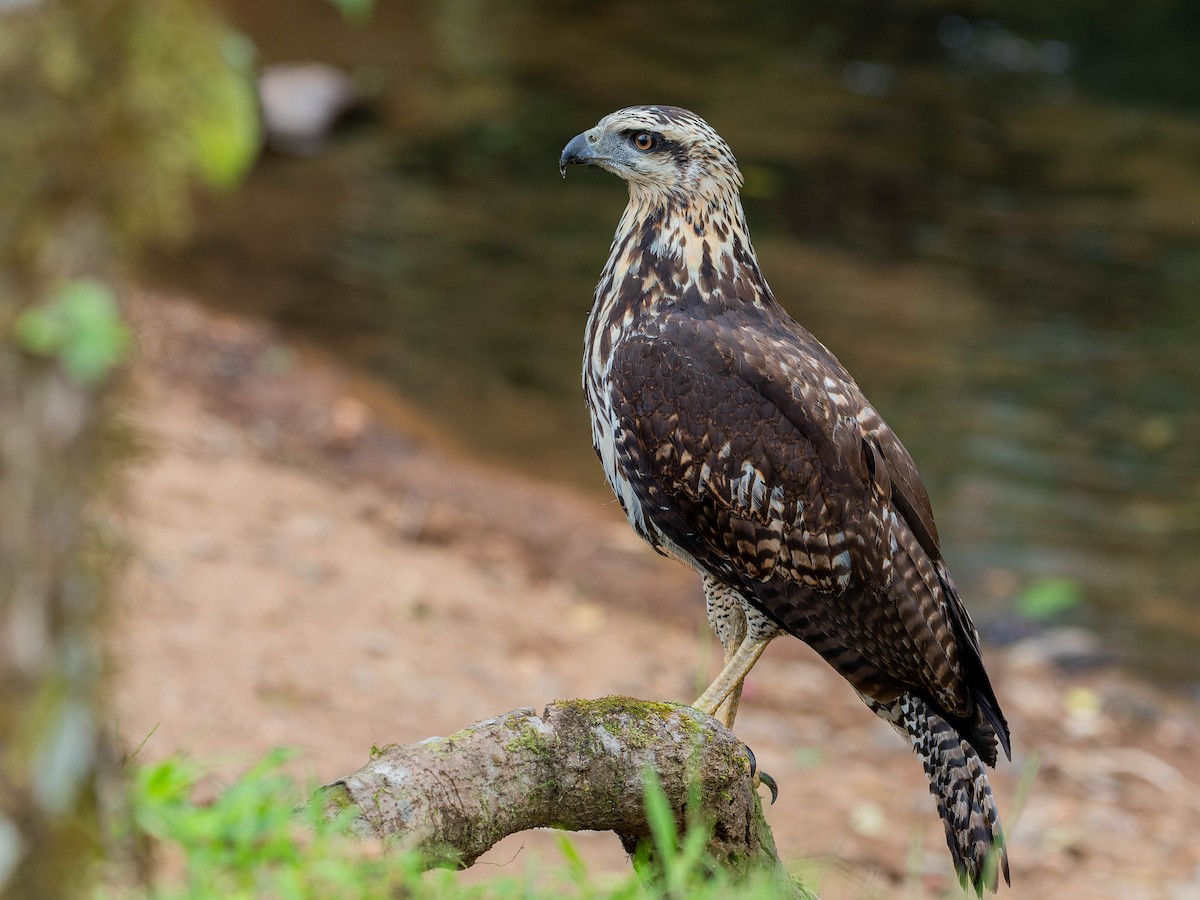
<point x="959" y="783"/>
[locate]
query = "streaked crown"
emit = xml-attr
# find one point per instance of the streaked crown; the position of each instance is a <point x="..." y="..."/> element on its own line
<point x="658" y="149"/>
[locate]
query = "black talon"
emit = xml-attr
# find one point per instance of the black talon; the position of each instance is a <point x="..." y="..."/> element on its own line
<point x="766" y="779"/>
<point x="763" y="777"/>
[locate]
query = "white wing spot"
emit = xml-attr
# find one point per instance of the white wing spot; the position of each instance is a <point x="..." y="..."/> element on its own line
<point x="741" y="487"/>
<point x="758" y="492"/>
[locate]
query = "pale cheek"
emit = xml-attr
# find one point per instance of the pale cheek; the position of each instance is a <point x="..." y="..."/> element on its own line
<point x="663" y="172"/>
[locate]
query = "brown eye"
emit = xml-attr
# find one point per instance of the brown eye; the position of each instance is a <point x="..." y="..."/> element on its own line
<point x="644" y="141"/>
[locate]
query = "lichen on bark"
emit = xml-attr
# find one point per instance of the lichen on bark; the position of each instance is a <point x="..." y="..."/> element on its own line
<point x="580" y="765"/>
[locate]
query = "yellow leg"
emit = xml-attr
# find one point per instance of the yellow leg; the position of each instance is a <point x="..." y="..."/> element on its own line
<point x="728" y="684"/>
<point x="727" y="711"/>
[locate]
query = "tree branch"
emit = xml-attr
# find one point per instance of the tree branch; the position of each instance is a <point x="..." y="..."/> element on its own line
<point x="579" y="766"/>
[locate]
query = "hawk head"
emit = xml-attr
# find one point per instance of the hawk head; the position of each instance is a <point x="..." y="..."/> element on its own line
<point x="660" y="150"/>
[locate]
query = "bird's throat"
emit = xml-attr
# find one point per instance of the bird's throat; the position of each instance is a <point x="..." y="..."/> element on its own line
<point x="699" y="250"/>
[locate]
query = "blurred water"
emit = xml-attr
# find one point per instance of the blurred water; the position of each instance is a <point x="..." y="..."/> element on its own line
<point x="994" y="233"/>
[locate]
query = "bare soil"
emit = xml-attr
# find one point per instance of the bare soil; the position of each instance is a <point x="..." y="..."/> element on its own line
<point x="314" y="566"/>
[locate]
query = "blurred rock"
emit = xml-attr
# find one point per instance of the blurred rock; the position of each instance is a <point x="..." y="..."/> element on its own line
<point x="587" y="618"/>
<point x="308" y="527"/>
<point x="1083" y="717"/>
<point x="215" y="439"/>
<point x="379" y="644"/>
<point x="207" y="548"/>
<point x="868" y="819"/>
<point x="301" y="103"/>
<point x="348" y="419"/>
<point x="1067" y="648"/>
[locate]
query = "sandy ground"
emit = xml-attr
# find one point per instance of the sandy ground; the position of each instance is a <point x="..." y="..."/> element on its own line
<point x="312" y="568"/>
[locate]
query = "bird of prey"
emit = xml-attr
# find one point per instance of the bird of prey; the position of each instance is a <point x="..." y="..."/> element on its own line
<point x="739" y="445"/>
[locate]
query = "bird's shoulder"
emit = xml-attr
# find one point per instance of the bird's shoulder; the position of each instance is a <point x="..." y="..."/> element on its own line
<point x="755" y="381"/>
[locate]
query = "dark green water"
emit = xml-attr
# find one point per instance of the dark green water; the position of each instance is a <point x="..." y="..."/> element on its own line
<point x="992" y="218"/>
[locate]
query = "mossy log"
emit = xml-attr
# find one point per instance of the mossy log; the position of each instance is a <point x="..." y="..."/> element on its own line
<point x="580" y="765"/>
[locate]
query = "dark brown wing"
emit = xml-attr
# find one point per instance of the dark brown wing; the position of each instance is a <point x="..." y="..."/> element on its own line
<point x="921" y="587"/>
<point x="755" y="456"/>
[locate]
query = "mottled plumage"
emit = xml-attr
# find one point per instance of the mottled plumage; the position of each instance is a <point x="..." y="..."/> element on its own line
<point x="737" y="444"/>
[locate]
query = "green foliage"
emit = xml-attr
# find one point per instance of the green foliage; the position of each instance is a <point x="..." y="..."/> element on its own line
<point x="125" y="103"/>
<point x="1048" y="598"/>
<point x="355" y="10"/>
<point x="81" y="325"/>
<point x="254" y="840"/>
<point x="224" y="128"/>
<point x="671" y="866"/>
<point x="202" y="92"/>
<point x="251" y="841"/>
<point x="676" y="862"/>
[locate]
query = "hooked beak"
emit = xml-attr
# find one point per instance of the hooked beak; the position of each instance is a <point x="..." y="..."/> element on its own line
<point x="578" y="152"/>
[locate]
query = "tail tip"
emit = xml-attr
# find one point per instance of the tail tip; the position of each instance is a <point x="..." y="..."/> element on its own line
<point x="983" y="872"/>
